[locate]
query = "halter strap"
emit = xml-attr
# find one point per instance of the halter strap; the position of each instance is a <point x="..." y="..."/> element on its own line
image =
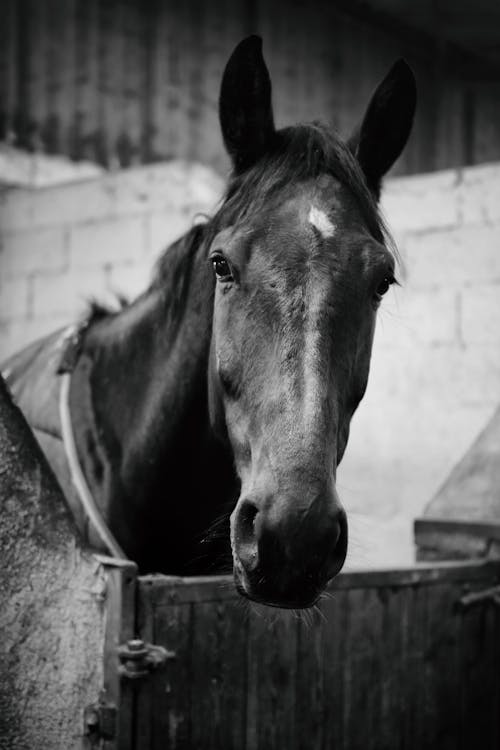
<point x="77" y="477"/>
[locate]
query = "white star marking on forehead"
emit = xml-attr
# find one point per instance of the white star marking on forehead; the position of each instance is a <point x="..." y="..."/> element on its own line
<point x="320" y="220"/>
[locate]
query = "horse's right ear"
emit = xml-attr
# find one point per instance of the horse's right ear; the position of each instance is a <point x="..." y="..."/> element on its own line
<point x="387" y="124"/>
<point x="245" y="110"/>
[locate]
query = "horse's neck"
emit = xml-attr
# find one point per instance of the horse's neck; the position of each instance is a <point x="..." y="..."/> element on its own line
<point x="148" y="375"/>
<point x="151" y="361"/>
<point x="158" y="472"/>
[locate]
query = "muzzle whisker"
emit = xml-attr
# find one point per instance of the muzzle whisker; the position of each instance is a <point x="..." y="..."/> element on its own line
<point x="308" y="619"/>
<point x="327" y="596"/>
<point x="319" y="613"/>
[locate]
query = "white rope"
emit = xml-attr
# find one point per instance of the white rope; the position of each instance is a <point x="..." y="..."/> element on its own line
<point x="77" y="476"/>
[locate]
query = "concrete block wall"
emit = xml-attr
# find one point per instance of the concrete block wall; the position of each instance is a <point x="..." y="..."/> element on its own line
<point x="435" y="373"/>
<point x="62" y="245"/>
<point x="435" y="376"/>
<point x="22" y="169"/>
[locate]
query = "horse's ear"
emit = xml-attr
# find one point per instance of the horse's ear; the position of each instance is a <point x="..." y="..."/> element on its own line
<point x="245" y="110"/>
<point x="383" y="134"/>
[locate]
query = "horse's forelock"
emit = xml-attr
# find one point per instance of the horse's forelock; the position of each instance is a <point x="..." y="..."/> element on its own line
<point x="299" y="153"/>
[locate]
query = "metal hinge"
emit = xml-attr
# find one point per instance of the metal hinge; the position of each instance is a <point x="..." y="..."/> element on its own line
<point x="139" y="659"/>
<point x="486" y="596"/>
<point x="99" y="722"/>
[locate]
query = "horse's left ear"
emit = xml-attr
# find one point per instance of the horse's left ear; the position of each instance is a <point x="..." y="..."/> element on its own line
<point x="386" y="125"/>
<point x="245" y="110"/>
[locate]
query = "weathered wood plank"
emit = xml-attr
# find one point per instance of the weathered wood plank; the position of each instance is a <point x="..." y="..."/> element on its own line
<point x="494" y="655"/>
<point x="156" y="142"/>
<point x="144" y="699"/>
<point x="173" y="589"/>
<point x="444" y="526"/>
<point x="413" y="622"/>
<point x="378" y="668"/>
<point x="120" y="591"/>
<point x="84" y="140"/>
<point x="9" y="55"/>
<point x="59" y="80"/>
<point x="175" y="91"/>
<point x="485" y="148"/>
<point x="219" y="676"/>
<point x="172" y="693"/>
<point x="271" y="706"/>
<point x="134" y="67"/>
<point x="393" y="667"/>
<point x="319" y="674"/>
<point x="442" y="689"/>
<point x="363" y="678"/>
<point x="335" y="607"/>
<point x="110" y="55"/>
<point x="443" y="539"/>
<point x="480" y="675"/>
<point x="36" y="73"/>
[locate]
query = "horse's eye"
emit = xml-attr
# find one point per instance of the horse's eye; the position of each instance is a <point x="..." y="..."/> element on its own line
<point x="221" y="268"/>
<point x="384" y="285"/>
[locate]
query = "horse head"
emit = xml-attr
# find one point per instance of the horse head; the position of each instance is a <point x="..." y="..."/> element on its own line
<point x="301" y="260"/>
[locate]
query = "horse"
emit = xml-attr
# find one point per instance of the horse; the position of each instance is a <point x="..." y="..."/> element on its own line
<point x="210" y="414"/>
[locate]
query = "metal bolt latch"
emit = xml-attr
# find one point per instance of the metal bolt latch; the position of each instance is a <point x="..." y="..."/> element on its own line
<point x="487" y="596"/>
<point x="99" y="721"/>
<point x="138" y="659"/>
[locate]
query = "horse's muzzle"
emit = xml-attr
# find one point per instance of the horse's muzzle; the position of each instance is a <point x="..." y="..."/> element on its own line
<point x="289" y="563"/>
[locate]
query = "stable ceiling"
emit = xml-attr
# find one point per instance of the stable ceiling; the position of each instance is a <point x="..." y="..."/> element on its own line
<point x="471" y="25"/>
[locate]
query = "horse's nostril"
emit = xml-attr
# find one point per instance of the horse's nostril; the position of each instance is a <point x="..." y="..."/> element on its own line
<point x="337" y="533"/>
<point x="245" y="537"/>
<point x="246" y="522"/>
<point x="339" y="545"/>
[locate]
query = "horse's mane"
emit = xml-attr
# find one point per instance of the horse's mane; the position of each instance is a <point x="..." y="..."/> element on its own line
<point x="173" y="268"/>
<point x="170" y="276"/>
<point x="297" y="153"/>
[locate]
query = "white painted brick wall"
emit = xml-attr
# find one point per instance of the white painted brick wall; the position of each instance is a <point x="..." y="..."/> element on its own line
<point x="480" y="315"/>
<point x="15" y="299"/>
<point x="62" y="245"/>
<point x="18" y="168"/>
<point x="107" y="242"/>
<point x="33" y="251"/>
<point x="428" y="201"/>
<point x="128" y="279"/>
<point x="55" y="295"/>
<point x="435" y="375"/>
<point x="462" y="256"/>
<point x="163" y="230"/>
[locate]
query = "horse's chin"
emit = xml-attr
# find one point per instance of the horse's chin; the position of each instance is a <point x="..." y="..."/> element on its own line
<point x="303" y="602"/>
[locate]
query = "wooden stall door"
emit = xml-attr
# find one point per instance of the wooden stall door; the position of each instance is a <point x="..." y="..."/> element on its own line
<point x="390" y="660"/>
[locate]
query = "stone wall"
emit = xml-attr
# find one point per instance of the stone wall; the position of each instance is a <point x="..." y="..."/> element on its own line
<point x="435" y="376"/>
<point x="20" y="168"/>
<point x="53" y="594"/>
<point x="436" y="366"/>
<point x="62" y="245"/>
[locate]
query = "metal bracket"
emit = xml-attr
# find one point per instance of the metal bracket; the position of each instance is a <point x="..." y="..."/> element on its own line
<point x="139" y="659"/>
<point x="99" y="721"/>
<point x="487" y="596"/>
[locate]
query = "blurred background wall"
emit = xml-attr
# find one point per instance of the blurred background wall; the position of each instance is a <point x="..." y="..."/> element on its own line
<point x="135" y="81"/>
<point x="124" y="94"/>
